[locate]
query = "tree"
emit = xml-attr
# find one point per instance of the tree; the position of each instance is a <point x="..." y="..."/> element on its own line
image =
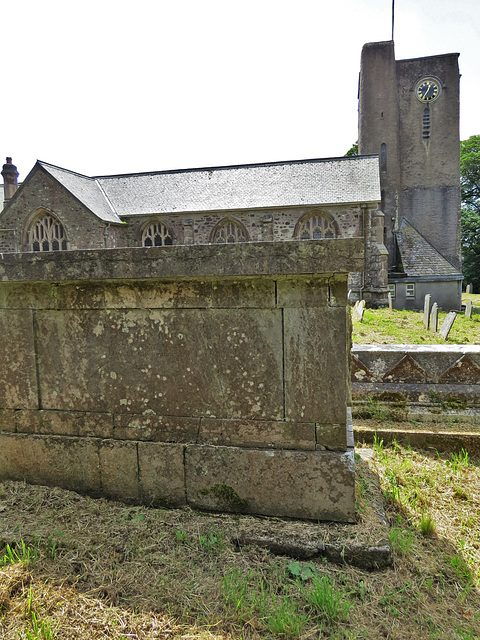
<point x="353" y="151"/>
<point x="470" y="184"/>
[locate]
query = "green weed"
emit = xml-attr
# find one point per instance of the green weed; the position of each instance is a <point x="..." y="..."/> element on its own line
<point x="237" y="593"/>
<point x="212" y="541"/>
<point x="327" y="600"/>
<point x="401" y="541"/>
<point x="283" y="617"/>
<point x="373" y="410"/>
<point x="24" y="557"/>
<point x="40" y="630"/>
<point x="459" y="461"/>
<point x="302" y="570"/>
<point x="427" y="525"/>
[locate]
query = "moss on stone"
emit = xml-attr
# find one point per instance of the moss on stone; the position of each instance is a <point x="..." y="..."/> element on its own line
<point x="225" y="497"/>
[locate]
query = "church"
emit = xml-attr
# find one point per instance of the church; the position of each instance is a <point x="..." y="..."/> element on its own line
<point x="401" y="194"/>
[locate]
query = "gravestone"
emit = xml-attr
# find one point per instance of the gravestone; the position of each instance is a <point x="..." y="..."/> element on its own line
<point x="447" y="324"/>
<point x="426" y="311"/>
<point x="390" y="303"/>
<point x="434" y="318"/>
<point x="469" y="309"/>
<point x="358" y="309"/>
<point x="469" y="288"/>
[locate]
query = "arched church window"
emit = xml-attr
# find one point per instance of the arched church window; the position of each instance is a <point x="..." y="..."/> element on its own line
<point x="316" y="226"/>
<point x="47" y="234"/>
<point x="156" y="234"/>
<point x="230" y="231"/>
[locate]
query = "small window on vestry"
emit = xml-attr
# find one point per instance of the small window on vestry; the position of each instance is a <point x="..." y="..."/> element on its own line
<point x="156" y="235"/>
<point x="230" y="231"/>
<point x="47" y="234"/>
<point x="316" y="227"/>
<point x="410" y="293"/>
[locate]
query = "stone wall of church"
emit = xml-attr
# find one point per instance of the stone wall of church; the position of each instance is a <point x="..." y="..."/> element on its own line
<point x="260" y="225"/>
<point x="43" y="193"/>
<point x="209" y="375"/>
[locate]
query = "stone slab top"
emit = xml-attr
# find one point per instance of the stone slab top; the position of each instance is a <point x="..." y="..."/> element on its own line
<point x="249" y="259"/>
<point x="417" y="348"/>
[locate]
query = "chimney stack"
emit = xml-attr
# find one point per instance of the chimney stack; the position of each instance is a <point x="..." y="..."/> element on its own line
<point x="10" y="175"/>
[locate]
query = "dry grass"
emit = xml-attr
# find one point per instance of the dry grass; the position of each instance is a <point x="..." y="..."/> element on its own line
<point x="105" y="570"/>
<point x="381" y="326"/>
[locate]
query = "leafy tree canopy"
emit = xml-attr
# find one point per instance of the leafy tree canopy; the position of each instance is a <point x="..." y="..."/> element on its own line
<point x="470" y="184"/>
<point x="353" y="151"/>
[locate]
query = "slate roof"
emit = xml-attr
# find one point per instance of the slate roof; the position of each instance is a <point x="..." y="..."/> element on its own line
<point x="419" y="258"/>
<point x="280" y="184"/>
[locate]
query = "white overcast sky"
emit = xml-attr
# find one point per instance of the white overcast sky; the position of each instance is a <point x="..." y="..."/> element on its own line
<point x="106" y="87"/>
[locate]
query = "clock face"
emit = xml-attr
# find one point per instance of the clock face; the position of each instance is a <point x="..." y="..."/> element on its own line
<point x="428" y="90"/>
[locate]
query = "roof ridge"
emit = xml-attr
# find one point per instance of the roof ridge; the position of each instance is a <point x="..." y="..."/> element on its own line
<point x="55" y="166"/>
<point x="276" y="163"/>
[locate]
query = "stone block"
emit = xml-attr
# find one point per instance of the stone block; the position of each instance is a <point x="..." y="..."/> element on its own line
<point x="245" y="259"/>
<point x="162" y="474"/>
<point x="119" y="470"/>
<point x="236" y="294"/>
<point x="189" y="362"/>
<point x="297" y="484"/>
<point x="83" y="295"/>
<point x="149" y="426"/>
<point x="332" y="437"/>
<point x="159" y="295"/>
<point x="7" y="420"/>
<point x="39" y="295"/>
<point x="18" y="379"/>
<point x="316" y="365"/>
<point x="67" y="423"/>
<point x="70" y="463"/>
<point x="257" y="433"/>
<point x="302" y="292"/>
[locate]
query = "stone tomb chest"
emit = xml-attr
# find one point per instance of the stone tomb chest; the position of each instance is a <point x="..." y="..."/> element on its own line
<point x="211" y="375"/>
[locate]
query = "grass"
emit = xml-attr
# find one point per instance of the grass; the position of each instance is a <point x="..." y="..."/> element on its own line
<point x="81" y="568"/>
<point x="381" y="326"/>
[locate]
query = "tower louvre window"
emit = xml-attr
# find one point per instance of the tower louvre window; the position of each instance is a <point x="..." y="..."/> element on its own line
<point x="426" y="123"/>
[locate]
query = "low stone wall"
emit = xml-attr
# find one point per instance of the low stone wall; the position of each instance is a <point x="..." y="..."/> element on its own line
<point x="212" y="375"/>
<point x="431" y="383"/>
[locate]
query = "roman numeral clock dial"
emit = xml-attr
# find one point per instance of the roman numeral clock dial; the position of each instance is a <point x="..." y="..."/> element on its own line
<point x="428" y="90"/>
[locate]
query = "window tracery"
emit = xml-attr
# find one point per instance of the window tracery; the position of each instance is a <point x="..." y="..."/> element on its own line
<point x="156" y="234"/>
<point x="230" y="232"/>
<point x="316" y="227"/>
<point x="47" y="234"/>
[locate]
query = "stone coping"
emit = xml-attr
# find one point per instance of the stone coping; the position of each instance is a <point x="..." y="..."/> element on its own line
<point x="249" y="259"/>
<point x="423" y="348"/>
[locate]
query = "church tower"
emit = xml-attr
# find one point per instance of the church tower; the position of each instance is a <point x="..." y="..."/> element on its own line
<point x="409" y="116"/>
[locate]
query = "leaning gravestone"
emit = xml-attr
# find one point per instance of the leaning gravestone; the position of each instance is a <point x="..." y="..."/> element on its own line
<point x="447" y="324"/>
<point x="426" y="311"/>
<point x="358" y="309"/>
<point x="434" y="318"/>
<point x="468" y="309"/>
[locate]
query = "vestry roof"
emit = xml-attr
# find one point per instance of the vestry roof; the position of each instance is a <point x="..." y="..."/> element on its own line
<point x="418" y="256"/>
<point x="257" y="186"/>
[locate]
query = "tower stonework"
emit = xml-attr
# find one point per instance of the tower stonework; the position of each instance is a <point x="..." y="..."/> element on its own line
<point x="409" y="116"/>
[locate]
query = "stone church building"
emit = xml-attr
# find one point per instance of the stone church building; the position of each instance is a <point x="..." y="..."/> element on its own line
<point x="401" y="194"/>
